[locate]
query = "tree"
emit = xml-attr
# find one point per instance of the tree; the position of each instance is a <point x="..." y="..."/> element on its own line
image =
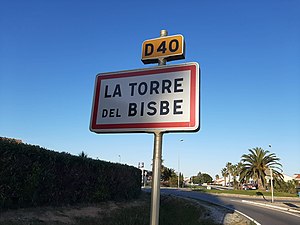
<point x="166" y="173"/>
<point x="205" y="178"/>
<point x="173" y="182"/>
<point x="287" y="187"/>
<point x="237" y="172"/>
<point x="229" y="171"/>
<point x="255" y="164"/>
<point x="224" y="173"/>
<point x="202" y="178"/>
<point x="234" y="173"/>
<point x="83" y="154"/>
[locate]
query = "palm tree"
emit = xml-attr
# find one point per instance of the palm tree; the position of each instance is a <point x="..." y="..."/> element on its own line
<point x="229" y="170"/>
<point x="239" y="168"/>
<point x="224" y="173"/>
<point x="234" y="171"/>
<point x="255" y="164"/>
<point x="83" y="154"/>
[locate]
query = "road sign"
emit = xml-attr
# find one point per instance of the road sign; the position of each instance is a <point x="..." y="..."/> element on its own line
<point x="168" y="47"/>
<point x="147" y="100"/>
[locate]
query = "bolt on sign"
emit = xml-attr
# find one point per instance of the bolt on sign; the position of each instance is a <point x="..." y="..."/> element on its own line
<point x="168" y="47"/>
<point x="146" y="100"/>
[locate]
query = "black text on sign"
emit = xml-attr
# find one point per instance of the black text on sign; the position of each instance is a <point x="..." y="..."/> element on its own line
<point x="147" y="100"/>
<point x="169" y="47"/>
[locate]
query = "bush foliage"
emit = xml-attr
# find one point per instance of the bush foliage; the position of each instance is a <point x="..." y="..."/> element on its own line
<point x="34" y="176"/>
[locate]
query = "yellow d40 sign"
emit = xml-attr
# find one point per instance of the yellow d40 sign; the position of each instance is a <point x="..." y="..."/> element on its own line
<point x="169" y="47"/>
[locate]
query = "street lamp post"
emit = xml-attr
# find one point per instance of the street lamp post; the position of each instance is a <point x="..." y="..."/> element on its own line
<point x="272" y="188"/>
<point x="181" y="140"/>
<point x="271" y="175"/>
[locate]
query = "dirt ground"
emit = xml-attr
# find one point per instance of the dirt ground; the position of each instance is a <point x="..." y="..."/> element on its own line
<point x="68" y="215"/>
<point x="63" y="215"/>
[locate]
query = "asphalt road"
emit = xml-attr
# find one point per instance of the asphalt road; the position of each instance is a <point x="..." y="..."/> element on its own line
<point x="262" y="215"/>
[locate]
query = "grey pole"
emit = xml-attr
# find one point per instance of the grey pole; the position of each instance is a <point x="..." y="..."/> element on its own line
<point x="272" y="188"/>
<point x="155" y="195"/>
<point x="162" y="61"/>
<point x="178" y="177"/>
<point x="181" y="140"/>
<point x="157" y="153"/>
<point x="271" y="174"/>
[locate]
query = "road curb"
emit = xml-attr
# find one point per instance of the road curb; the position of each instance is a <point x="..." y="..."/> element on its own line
<point x="235" y="210"/>
<point x="223" y="206"/>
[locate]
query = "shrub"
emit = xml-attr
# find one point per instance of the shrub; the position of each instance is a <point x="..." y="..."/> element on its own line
<point x="32" y="176"/>
<point x="286" y="187"/>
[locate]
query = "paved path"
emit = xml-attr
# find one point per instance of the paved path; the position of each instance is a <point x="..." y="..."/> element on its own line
<point x="257" y="208"/>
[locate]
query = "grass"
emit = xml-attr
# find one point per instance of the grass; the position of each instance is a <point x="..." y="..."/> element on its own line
<point x="173" y="211"/>
<point x="180" y="211"/>
<point x="244" y="192"/>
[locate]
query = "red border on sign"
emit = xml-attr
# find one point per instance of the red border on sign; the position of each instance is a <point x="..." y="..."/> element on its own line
<point x="157" y="125"/>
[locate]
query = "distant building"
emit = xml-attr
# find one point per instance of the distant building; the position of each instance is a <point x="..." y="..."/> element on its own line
<point x="220" y="181"/>
<point x="287" y="178"/>
<point x="187" y="180"/>
<point x="297" y="177"/>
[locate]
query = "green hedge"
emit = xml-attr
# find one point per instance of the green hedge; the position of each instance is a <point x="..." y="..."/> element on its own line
<point x="34" y="176"/>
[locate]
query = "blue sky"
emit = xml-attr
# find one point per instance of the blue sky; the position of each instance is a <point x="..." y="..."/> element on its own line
<point x="248" y="51"/>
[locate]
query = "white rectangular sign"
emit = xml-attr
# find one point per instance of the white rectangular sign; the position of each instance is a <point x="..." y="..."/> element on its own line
<point x="163" y="98"/>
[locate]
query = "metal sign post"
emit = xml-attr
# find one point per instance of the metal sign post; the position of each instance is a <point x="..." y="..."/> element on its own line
<point x="155" y="194"/>
<point x="153" y="100"/>
<point x="157" y="158"/>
